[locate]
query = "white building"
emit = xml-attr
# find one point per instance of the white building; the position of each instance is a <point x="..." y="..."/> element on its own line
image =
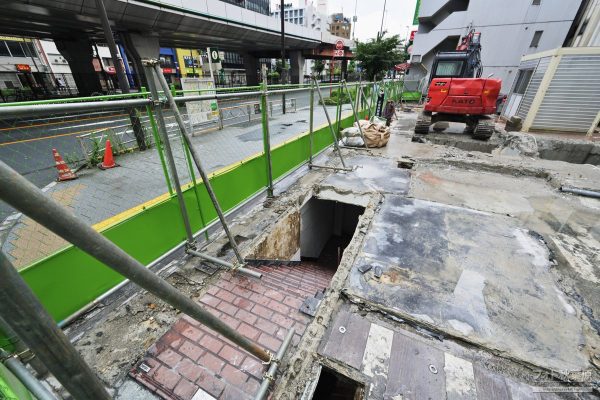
<point x="58" y="64"/>
<point x="508" y="32"/>
<point x="306" y="15"/>
<point x="21" y="66"/>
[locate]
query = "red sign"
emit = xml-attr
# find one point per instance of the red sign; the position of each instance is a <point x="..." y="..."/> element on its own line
<point x="23" y="67"/>
<point x="339" y="45"/>
<point x="412" y="36"/>
<point x="111" y="70"/>
<point x="338" y="53"/>
<point x="168" y="71"/>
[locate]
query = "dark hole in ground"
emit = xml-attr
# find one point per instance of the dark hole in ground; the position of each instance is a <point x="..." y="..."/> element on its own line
<point x="334" y="386"/>
<point x="326" y="229"/>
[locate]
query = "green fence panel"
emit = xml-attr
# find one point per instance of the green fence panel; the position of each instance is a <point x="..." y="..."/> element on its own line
<point x="69" y="279"/>
<point x="11" y="388"/>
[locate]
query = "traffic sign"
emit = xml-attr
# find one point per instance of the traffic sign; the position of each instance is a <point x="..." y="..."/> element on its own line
<point x="338" y="53"/>
<point x="339" y="45"/>
<point x="214" y="55"/>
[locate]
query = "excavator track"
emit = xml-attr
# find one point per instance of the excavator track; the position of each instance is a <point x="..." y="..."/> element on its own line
<point x="422" y="125"/>
<point x="483" y="130"/>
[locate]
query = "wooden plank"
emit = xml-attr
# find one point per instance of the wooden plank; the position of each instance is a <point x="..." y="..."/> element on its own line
<point x="490" y="386"/>
<point x="376" y="359"/>
<point x="410" y="376"/>
<point x="347" y="347"/>
<point x="460" y="378"/>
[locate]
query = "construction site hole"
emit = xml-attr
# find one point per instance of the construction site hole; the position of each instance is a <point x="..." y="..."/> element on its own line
<point x="326" y="229"/>
<point x="335" y="386"/>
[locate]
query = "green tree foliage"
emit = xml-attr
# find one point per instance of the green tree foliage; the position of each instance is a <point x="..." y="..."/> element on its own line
<point x="377" y="56"/>
<point x="318" y="67"/>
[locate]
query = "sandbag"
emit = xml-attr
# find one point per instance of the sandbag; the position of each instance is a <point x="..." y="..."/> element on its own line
<point x="376" y="134"/>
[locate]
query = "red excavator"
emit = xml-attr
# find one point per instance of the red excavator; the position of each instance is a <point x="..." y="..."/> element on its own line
<point x="457" y="93"/>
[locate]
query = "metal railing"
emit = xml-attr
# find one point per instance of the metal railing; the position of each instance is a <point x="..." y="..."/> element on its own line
<point x="46" y="211"/>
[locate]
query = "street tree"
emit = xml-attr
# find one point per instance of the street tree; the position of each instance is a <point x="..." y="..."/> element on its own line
<point x="318" y="67"/>
<point x="379" y="55"/>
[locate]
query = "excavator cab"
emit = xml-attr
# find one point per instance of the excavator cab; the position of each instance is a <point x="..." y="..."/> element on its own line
<point x="457" y="93"/>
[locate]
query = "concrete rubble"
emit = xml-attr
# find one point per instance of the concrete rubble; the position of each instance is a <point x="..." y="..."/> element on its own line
<point x="481" y="279"/>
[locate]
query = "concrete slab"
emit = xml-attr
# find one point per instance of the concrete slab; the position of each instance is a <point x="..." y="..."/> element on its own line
<point x="370" y="174"/>
<point x="473" y="275"/>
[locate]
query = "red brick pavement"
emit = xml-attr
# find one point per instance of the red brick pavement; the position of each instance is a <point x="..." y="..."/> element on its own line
<point x="190" y="356"/>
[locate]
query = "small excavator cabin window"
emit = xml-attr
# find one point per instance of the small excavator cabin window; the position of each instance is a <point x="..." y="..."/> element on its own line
<point x="447" y="69"/>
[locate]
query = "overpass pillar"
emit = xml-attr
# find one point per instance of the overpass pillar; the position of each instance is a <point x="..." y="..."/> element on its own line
<point x="297" y="61"/>
<point x="79" y="54"/>
<point x="141" y="46"/>
<point x="252" y="69"/>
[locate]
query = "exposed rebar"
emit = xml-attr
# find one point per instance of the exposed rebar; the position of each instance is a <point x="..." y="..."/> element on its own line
<point x="25" y="197"/>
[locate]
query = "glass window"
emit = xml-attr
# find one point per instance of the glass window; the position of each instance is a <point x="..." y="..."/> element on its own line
<point x="3" y="49"/>
<point x="535" y="41"/>
<point x="537" y="2"/>
<point x="15" y="48"/>
<point x="523" y="80"/>
<point x="449" y="68"/>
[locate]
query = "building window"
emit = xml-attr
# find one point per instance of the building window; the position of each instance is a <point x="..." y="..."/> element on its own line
<point x="536" y="2"/>
<point x="4" y="50"/>
<point x="535" y="42"/>
<point x="15" y="49"/>
<point x="523" y="80"/>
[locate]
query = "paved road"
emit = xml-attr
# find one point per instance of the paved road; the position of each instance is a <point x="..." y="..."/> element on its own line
<point x="26" y="144"/>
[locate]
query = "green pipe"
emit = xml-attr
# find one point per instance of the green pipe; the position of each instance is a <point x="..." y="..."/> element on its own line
<point x="159" y="147"/>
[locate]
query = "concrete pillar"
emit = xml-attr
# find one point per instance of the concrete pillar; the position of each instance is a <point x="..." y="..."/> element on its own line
<point x="140" y="46"/>
<point x="79" y="54"/>
<point x="296" y="67"/>
<point x="344" y="69"/>
<point x="252" y="69"/>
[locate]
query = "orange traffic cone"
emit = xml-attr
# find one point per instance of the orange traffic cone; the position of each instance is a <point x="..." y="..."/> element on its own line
<point x="109" y="161"/>
<point x="64" y="172"/>
<point x="366" y="117"/>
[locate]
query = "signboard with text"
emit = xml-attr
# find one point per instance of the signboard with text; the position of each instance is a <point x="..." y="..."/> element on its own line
<point x="200" y="112"/>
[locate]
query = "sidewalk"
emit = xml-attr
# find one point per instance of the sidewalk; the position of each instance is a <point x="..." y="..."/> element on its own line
<point x="98" y="196"/>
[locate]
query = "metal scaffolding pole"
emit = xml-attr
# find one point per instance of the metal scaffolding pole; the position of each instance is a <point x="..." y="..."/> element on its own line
<point x="266" y="135"/>
<point x="195" y="156"/>
<point x="162" y="131"/>
<point x="311" y="124"/>
<point x="355" y="113"/>
<point x="19" y="370"/>
<point x="270" y="375"/>
<point x="31" y="201"/>
<point x="333" y="135"/>
<point x="24" y="354"/>
<point x="29" y="319"/>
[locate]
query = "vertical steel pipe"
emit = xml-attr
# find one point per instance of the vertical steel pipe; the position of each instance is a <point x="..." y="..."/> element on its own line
<point x="195" y="156"/>
<point x="29" y="319"/>
<point x="169" y="153"/>
<point x="20" y="347"/>
<point x="333" y="135"/>
<point x="31" y="201"/>
<point x="266" y="137"/>
<point x="311" y="123"/>
<point x="264" y="387"/>
<point x="355" y="113"/>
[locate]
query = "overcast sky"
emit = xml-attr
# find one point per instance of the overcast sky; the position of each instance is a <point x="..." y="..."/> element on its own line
<point x="399" y="14"/>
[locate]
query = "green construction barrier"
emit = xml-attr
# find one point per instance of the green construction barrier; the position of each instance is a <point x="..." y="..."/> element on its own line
<point x="69" y="279"/>
<point x="11" y="388"/>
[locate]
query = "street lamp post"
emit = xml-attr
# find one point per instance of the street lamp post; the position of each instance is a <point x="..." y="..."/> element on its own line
<point x="382" y="17"/>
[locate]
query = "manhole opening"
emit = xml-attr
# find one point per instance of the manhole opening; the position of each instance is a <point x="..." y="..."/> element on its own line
<point x="326" y="229"/>
<point x="333" y="385"/>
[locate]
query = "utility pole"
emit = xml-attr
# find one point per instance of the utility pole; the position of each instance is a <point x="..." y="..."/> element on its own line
<point x="283" y="68"/>
<point x="138" y="131"/>
<point x="354" y="20"/>
<point x="382" y="18"/>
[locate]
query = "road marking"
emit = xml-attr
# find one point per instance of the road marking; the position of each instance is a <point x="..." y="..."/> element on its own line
<point x="59" y="122"/>
<point x="460" y="378"/>
<point x="47" y="137"/>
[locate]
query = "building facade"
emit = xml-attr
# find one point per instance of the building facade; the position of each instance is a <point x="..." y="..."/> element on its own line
<point x="259" y="6"/>
<point x="21" y="66"/>
<point x="340" y="26"/>
<point x="507" y="33"/>
<point x="307" y="15"/>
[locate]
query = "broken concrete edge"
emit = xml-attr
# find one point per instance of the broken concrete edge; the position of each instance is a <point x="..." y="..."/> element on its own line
<point x="301" y="364"/>
<point x="439" y="334"/>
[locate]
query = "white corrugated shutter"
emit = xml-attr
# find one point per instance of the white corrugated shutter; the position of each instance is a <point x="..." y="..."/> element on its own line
<point x="572" y="100"/>
<point x="534" y="85"/>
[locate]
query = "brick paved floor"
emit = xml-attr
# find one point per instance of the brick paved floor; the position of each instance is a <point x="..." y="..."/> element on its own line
<point x="190" y="360"/>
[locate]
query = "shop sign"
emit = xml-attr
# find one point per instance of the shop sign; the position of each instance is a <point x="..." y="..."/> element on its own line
<point x="23" y="67"/>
